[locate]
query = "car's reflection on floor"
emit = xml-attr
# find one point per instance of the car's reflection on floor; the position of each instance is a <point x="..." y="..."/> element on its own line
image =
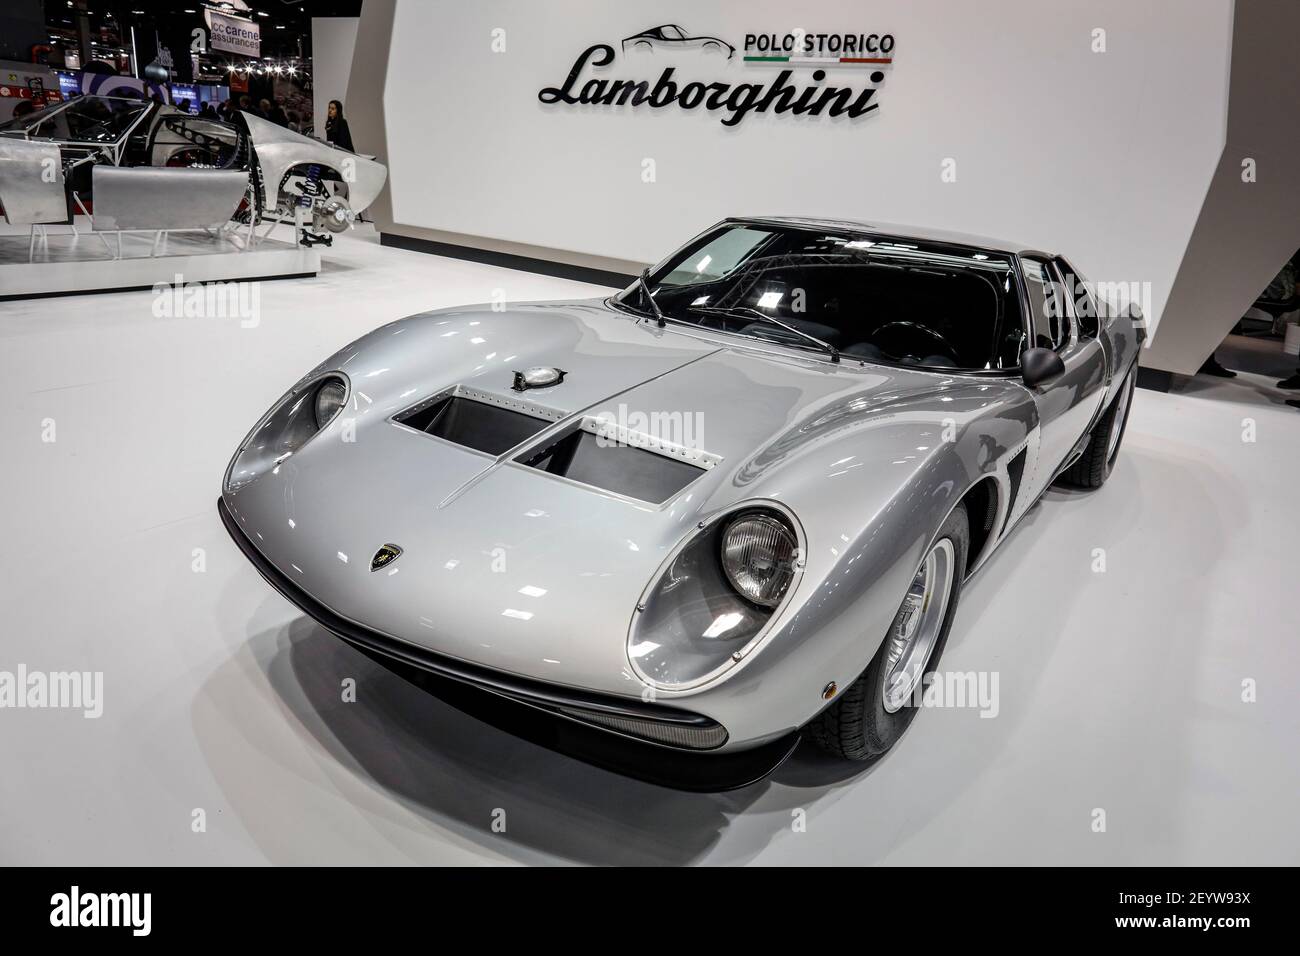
<point x="462" y="772"/>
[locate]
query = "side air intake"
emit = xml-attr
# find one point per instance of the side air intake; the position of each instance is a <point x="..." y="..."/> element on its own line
<point x="1015" y="471"/>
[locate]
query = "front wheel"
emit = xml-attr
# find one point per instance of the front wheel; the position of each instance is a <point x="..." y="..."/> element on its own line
<point x="872" y="714"/>
<point x="1094" y="465"/>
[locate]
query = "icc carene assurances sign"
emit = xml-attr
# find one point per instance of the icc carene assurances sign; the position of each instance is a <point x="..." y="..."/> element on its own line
<point x="776" y="73"/>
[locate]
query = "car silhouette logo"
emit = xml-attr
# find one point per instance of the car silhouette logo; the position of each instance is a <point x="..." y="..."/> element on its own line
<point x="672" y="37"/>
<point x="385" y="556"/>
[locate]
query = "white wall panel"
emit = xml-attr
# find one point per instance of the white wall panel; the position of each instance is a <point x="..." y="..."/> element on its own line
<point x="1105" y="157"/>
<point x="332" y="42"/>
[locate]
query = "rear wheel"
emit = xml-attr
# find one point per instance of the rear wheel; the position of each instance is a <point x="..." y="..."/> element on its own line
<point x="1094" y="465"/>
<point x="873" y="713"/>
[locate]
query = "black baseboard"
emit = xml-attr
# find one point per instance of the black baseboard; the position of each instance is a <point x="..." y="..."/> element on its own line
<point x="558" y="270"/>
<point x="1158" y="380"/>
<point x="141" y="288"/>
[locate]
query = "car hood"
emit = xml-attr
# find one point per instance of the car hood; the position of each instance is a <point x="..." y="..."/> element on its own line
<point x="513" y="568"/>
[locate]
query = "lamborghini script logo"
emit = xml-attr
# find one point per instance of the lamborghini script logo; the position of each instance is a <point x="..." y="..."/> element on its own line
<point x="385" y="556"/>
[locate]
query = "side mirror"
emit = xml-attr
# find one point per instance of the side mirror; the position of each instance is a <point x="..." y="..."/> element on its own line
<point x="1040" y="365"/>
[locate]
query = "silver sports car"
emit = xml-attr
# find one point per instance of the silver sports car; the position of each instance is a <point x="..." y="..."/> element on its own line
<point x="674" y="530"/>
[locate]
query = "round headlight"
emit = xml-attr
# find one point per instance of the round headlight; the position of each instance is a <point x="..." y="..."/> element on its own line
<point x="714" y="598"/>
<point x="329" y="400"/>
<point x="758" y="556"/>
<point x="291" y="423"/>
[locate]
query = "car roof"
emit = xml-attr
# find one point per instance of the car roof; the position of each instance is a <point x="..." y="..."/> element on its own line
<point x="897" y="230"/>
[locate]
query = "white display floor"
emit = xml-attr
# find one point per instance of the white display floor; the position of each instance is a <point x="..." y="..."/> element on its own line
<point x="1119" y="690"/>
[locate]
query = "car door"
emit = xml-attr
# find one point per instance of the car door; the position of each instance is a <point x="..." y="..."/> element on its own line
<point x="1068" y="403"/>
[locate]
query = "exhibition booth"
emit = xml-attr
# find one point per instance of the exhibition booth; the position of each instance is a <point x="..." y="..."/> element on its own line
<point x="572" y="432"/>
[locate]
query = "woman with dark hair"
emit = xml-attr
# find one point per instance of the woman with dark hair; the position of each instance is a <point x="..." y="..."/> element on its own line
<point x="336" y="127"/>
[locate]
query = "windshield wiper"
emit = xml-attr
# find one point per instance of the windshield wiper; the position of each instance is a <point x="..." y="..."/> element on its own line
<point x="643" y="280"/>
<point x="751" y="311"/>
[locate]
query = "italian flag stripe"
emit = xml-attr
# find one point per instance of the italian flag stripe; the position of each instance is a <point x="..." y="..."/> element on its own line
<point x="819" y="59"/>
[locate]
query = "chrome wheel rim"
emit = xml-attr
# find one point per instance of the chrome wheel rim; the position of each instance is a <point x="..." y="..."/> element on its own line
<point x="1121" y="413"/>
<point x="917" y="626"/>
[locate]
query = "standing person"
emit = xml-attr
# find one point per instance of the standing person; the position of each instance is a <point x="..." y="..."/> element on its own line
<point x="275" y="113"/>
<point x="1285" y="288"/>
<point x="336" y="127"/>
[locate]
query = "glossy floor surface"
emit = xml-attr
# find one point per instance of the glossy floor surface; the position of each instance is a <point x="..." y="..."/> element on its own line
<point x="1125" y="627"/>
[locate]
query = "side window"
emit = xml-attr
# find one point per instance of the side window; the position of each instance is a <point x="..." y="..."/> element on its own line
<point x="1051" y="328"/>
<point x="1079" y="300"/>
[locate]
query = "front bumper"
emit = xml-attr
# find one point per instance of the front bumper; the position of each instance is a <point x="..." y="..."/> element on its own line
<point x="658" y="744"/>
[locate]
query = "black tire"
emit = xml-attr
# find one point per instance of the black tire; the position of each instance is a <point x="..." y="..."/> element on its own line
<point x="857" y="726"/>
<point x="1094" y="465"/>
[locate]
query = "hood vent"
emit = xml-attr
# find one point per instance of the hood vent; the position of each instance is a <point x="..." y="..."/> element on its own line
<point x="601" y="454"/>
<point x="479" y="420"/>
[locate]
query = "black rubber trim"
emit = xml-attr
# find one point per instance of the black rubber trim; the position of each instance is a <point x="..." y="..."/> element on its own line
<point x="515" y="704"/>
<point x="545" y="267"/>
<point x="10" y="297"/>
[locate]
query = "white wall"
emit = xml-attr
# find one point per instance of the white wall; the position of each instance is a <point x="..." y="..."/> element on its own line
<point x="1104" y="157"/>
<point x="1249" y="224"/>
<point x="332" y="42"/>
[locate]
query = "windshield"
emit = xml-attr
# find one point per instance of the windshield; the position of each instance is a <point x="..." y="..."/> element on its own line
<point x="877" y="299"/>
<point x="86" y="119"/>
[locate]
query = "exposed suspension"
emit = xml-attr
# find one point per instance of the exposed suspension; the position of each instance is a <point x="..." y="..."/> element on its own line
<point x="328" y="213"/>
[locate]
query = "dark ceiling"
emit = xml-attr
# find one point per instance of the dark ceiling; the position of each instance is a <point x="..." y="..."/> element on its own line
<point x="285" y="26"/>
